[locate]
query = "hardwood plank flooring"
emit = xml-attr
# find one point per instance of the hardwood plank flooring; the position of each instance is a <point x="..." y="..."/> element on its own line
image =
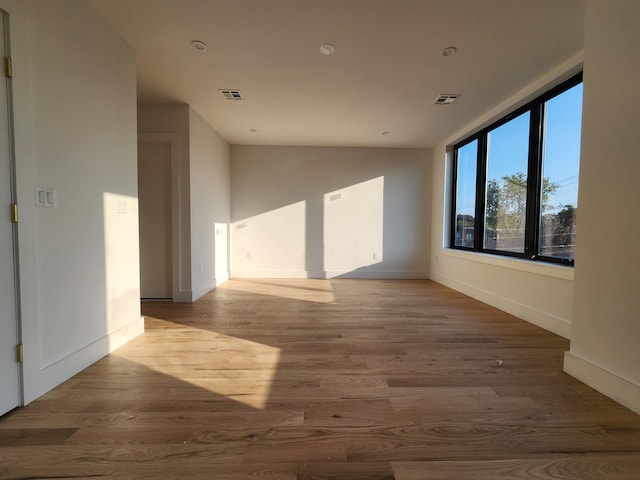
<point x="326" y="379"/>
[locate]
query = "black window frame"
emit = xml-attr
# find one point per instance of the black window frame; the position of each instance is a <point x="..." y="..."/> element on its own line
<point x="534" y="180"/>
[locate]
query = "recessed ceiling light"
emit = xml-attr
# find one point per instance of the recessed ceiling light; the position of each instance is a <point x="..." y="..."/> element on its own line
<point x="447" y="52"/>
<point x="327" y="49"/>
<point x="199" y="45"/>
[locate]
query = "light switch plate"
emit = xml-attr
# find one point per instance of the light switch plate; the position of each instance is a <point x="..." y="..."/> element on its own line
<point x="45" y="197"/>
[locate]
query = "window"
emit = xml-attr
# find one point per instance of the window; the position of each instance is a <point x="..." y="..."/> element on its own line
<point x="520" y="177"/>
<point x="466" y="194"/>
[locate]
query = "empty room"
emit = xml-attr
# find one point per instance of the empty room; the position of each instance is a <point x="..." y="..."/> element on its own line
<point x="303" y="239"/>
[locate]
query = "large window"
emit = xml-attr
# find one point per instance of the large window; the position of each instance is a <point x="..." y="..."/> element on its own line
<point x="466" y="194"/>
<point x="515" y="183"/>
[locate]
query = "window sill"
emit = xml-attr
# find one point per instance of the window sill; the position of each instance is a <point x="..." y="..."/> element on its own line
<point x="539" y="268"/>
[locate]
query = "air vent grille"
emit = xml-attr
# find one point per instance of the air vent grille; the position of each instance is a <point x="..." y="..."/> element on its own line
<point x="445" y="99"/>
<point x="232" y="95"/>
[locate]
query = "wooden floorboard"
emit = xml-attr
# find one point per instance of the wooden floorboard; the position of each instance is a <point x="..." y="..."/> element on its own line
<point x="326" y="380"/>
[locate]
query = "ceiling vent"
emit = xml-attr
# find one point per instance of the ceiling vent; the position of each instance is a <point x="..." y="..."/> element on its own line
<point x="445" y="99"/>
<point x="232" y="94"/>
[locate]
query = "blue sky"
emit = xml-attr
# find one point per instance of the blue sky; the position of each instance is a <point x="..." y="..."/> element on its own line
<point x="562" y="144"/>
<point x="508" y="146"/>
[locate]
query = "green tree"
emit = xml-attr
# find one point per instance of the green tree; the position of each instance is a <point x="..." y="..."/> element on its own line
<point x="565" y="226"/>
<point x="506" y="205"/>
<point x="465" y="220"/>
<point x="491" y="208"/>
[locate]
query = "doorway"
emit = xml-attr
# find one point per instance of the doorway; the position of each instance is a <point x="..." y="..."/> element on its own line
<point x="10" y="371"/>
<point x="155" y="210"/>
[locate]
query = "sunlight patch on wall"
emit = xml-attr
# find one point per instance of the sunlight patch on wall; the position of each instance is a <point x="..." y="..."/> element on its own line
<point x="238" y="369"/>
<point x="353" y="227"/>
<point x="221" y="236"/>
<point x="122" y="268"/>
<point x="314" y="290"/>
<point x="276" y="237"/>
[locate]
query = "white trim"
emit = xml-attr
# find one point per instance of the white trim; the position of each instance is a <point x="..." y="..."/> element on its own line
<point x="177" y="216"/>
<point x="182" y="296"/>
<point x="378" y="274"/>
<point x="271" y="274"/>
<point x="539" y="268"/>
<point x="203" y="290"/>
<point x="220" y="280"/>
<point x="53" y="375"/>
<point x="557" y="325"/>
<point x="386" y="275"/>
<point x="612" y="385"/>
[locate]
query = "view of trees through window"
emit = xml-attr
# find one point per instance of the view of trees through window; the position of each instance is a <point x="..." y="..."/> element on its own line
<point x="527" y="166"/>
<point x="506" y="189"/>
<point x="560" y="167"/>
<point x="466" y="196"/>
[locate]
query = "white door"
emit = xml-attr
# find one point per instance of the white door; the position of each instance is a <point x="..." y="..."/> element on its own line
<point x="154" y="204"/>
<point x="9" y="366"/>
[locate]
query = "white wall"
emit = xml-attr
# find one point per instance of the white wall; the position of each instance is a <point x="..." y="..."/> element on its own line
<point x="605" y="337"/>
<point x="539" y="293"/>
<point x="210" y="205"/>
<point x="201" y="184"/>
<point x="75" y="131"/>
<point x="326" y="212"/>
<point x="169" y="124"/>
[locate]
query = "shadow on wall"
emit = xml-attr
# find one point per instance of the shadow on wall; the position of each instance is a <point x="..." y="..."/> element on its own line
<point x="311" y="219"/>
<point x="345" y="233"/>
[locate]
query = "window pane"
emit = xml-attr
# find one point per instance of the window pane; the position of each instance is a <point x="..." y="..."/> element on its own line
<point x="560" y="165"/>
<point x="467" y="161"/>
<point x="506" y="187"/>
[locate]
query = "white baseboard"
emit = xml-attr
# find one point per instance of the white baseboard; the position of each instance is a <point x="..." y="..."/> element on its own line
<point x="189" y="296"/>
<point x="183" y="296"/>
<point x="390" y="275"/>
<point x="614" y="386"/>
<point x="203" y="290"/>
<point x="559" y="326"/>
<point x="271" y="274"/>
<point x="60" y="371"/>
<point x="374" y="274"/>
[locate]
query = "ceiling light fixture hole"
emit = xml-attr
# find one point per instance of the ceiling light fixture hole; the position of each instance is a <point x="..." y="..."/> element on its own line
<point x="327" y="49"/>
<point x="199" y="45"/>
<point x="447" y="52"/>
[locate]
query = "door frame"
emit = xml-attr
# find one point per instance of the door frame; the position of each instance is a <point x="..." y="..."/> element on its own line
<point x="11" y="141"/>
<point x="180" y="239"/>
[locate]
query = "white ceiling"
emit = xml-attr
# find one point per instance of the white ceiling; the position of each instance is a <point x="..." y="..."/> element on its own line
<point x="384" y="75"/>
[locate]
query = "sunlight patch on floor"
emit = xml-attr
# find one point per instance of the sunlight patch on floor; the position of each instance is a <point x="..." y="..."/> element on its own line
<point x="319" y="291"/>
<point x="232" y="367"/>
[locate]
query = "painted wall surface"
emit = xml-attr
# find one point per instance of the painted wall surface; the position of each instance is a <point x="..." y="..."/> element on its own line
<point x="210" y="205"/>
<point x="539" y="293"/>
<point x="169" y="124"/>
<point x="155" y="220"/>
<point x="605" y="339"/>
<point x="75" y="131"/>
<point x="201" y="182"/>
<point x="327" y="212"/>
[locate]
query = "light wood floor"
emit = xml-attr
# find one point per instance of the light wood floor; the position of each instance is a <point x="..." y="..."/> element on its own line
<point x="313" y="379"/>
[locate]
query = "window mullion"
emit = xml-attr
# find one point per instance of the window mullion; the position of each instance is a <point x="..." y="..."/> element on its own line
<point x="481" y="192"/>
<point x="534" y="182"/>
<point x="454" y="192"/>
